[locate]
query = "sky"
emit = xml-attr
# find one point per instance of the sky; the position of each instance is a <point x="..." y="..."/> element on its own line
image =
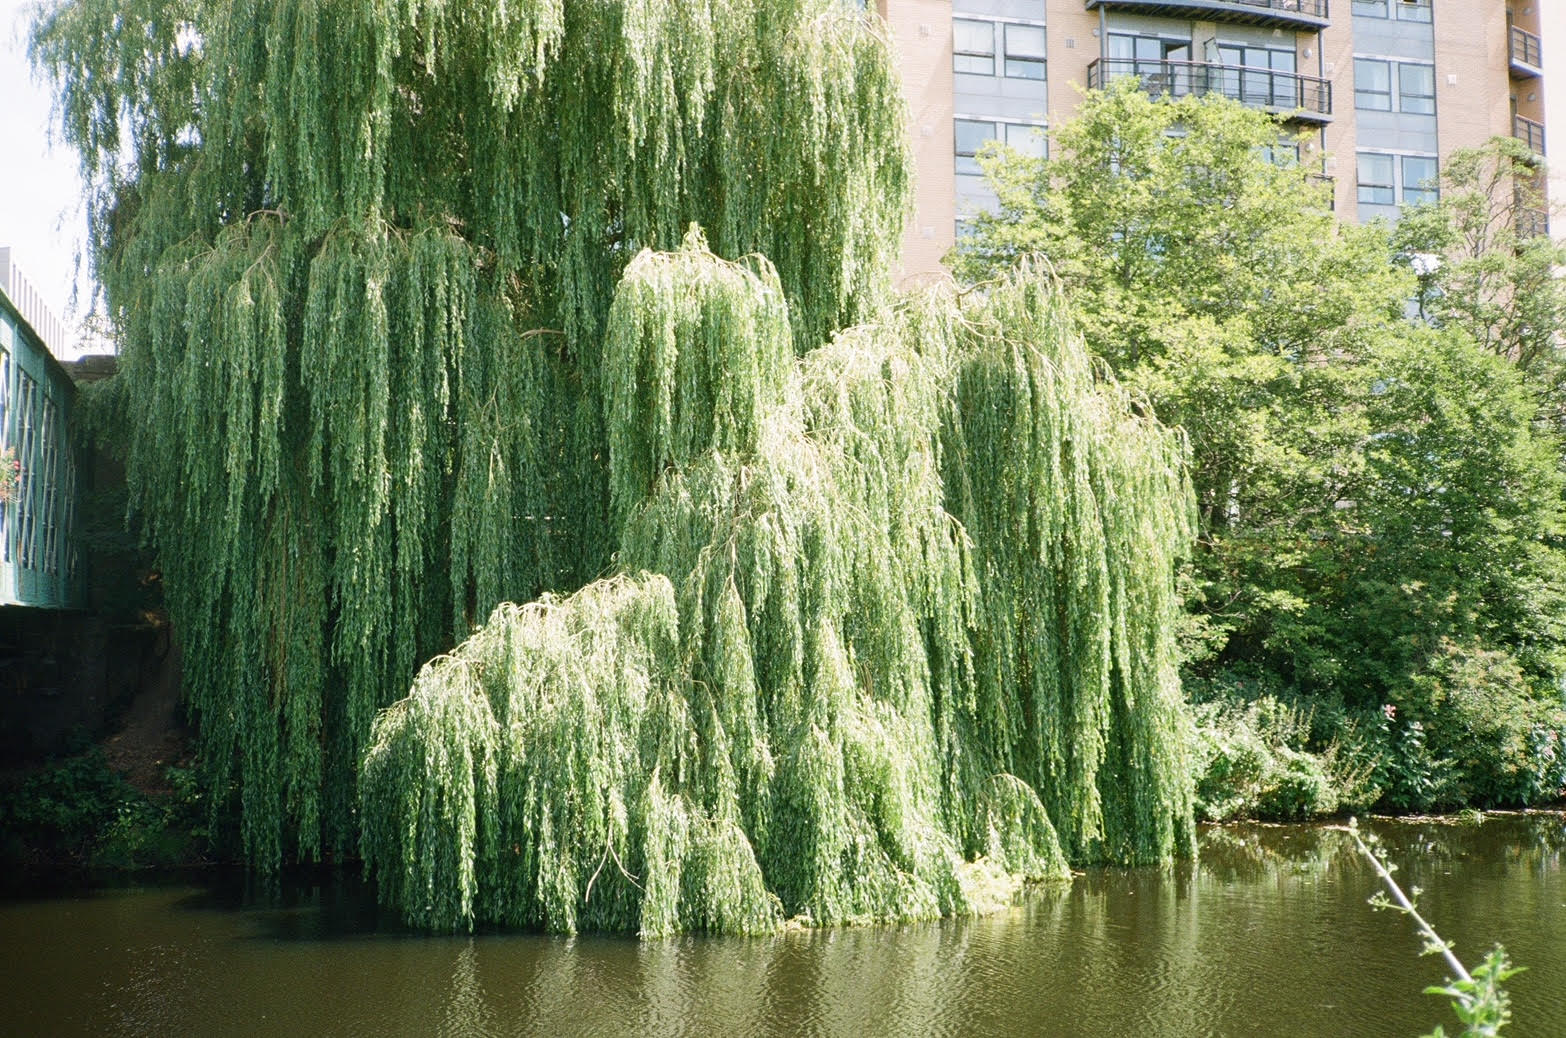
<point x="41" y="213"/>
<point x="1552" y="35"/>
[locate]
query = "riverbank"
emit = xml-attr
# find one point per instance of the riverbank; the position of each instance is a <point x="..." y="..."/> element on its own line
<point x="78" y="812"/>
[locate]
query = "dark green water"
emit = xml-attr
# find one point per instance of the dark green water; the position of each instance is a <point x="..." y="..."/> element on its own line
<point x="1268" y="934"/>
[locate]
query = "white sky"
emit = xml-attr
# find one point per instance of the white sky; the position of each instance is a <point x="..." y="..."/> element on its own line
<point x="41" y="213"/>
<point x="1552" y="41"/>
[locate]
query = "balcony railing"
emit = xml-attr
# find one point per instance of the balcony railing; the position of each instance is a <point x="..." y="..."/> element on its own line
<point x="1309" y="14"/>
<point x="1529" y="132"/>
<point x="1527" y="55"/>
<point x="1304" y="97"/>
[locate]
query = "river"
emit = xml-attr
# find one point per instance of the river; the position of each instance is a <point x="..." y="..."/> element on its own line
<point x="1268" y="933"/>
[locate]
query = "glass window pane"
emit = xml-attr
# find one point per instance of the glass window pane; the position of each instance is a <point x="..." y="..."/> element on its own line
<point x="971" y="135"/>
<point x="1416" y="88"/>
<point x="1024" y="68"/>
<point x="1371" y="8"/>
<point x="1025" y="138"/>
<point x="1025" y="41"/>
<point x="1372" y="84"/>
<point x="1258" y="87"/>
<point x="1419" y="179"/>
<point x="1283" y="60"/>
<point x="1285" y="154"/>
<point x="973" y="37"/>
<point x="1375" y="179"/>
<point x="1370" y="74"/>
<point x="973" y="48"/>
<point x="1412" y="10"/>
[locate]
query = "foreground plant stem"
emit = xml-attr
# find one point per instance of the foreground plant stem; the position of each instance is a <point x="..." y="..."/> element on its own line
<point x="1478" y="998"/>
<point x="1406" y="906"/>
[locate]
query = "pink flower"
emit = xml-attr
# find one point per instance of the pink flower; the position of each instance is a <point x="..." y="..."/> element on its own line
<point x="1390" y="711"/>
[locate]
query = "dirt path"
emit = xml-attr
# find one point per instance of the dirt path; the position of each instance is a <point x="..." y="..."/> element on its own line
<point x="153" y="734"/>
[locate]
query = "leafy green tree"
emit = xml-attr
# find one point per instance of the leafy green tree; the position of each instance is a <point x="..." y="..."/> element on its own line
<point x="844" y="607"/>
<point x="1218" y="284"/>
<point x="360" y="256"/>
<point x="1485" y="264"/>
<point x="1379" y="507"/>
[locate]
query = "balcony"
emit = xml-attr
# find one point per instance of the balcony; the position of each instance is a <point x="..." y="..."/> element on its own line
<point x="1525" y="130"/>
<point x="1527" y="56"/>
<point x="1310" y="15"/>
<point x="1304" y="98"/>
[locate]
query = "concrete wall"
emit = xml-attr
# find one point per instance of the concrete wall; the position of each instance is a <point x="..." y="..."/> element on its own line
<point x="922" y="35"/>
<point x="1473" y="85"/>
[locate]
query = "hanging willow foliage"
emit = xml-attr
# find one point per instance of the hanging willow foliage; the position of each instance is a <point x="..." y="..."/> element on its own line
<point x="885" y="629"/>
<point x="822" y="695"/>
<point x="360" y="256"/>
<point x="1078" y="511"/>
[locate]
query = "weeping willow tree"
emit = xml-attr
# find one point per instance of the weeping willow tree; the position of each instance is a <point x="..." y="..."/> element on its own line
<point x="891" y="633"/>
<point x="842" y="607"/>
<point x="360" y="256"/>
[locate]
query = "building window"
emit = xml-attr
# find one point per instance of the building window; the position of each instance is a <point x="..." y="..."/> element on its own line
<point x="973" y="48"/>
<point x="1372" y="84"/>
<point x="1370" y="8"/>
<point x="1415" y="88"/>
<point x="1025" y="51"/>
<point x="1284" y="154"/>
<point x="971" y="135"/>
<point x="1412" y="10"/>
<point x="1397" y="179"/>
<point x="1419" y="179"/>
<point x="1376" y="186"/>
<point x="1145" y="55"/>
<point x="1373" y="78"/>
<point x="1027" y="138"/>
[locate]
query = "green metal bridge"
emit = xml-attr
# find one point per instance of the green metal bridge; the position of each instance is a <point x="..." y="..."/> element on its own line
<point x="40" y="551"/>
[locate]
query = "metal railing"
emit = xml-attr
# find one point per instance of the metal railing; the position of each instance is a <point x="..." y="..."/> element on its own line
<point x="1316" y="9"/>
<point x="1256" y="87"/>
<point x="1529" y="132"/>
<point x="1526" y="49"/>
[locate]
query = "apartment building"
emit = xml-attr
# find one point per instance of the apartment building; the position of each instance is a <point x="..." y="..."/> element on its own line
<point x="1381" y="89"/>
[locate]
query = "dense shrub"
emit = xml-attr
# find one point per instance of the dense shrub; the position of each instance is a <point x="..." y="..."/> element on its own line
<point x="1470" y="729"/>
<point x="79" y="810"/>
<point x="1260" y="754"/>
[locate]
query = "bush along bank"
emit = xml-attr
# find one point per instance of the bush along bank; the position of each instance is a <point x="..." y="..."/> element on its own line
<point x="1465" y="733"/>
<point x="77" y="812"/>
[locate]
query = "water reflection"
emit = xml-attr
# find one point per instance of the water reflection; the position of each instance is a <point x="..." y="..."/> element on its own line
<point x="1268" y="933"/>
